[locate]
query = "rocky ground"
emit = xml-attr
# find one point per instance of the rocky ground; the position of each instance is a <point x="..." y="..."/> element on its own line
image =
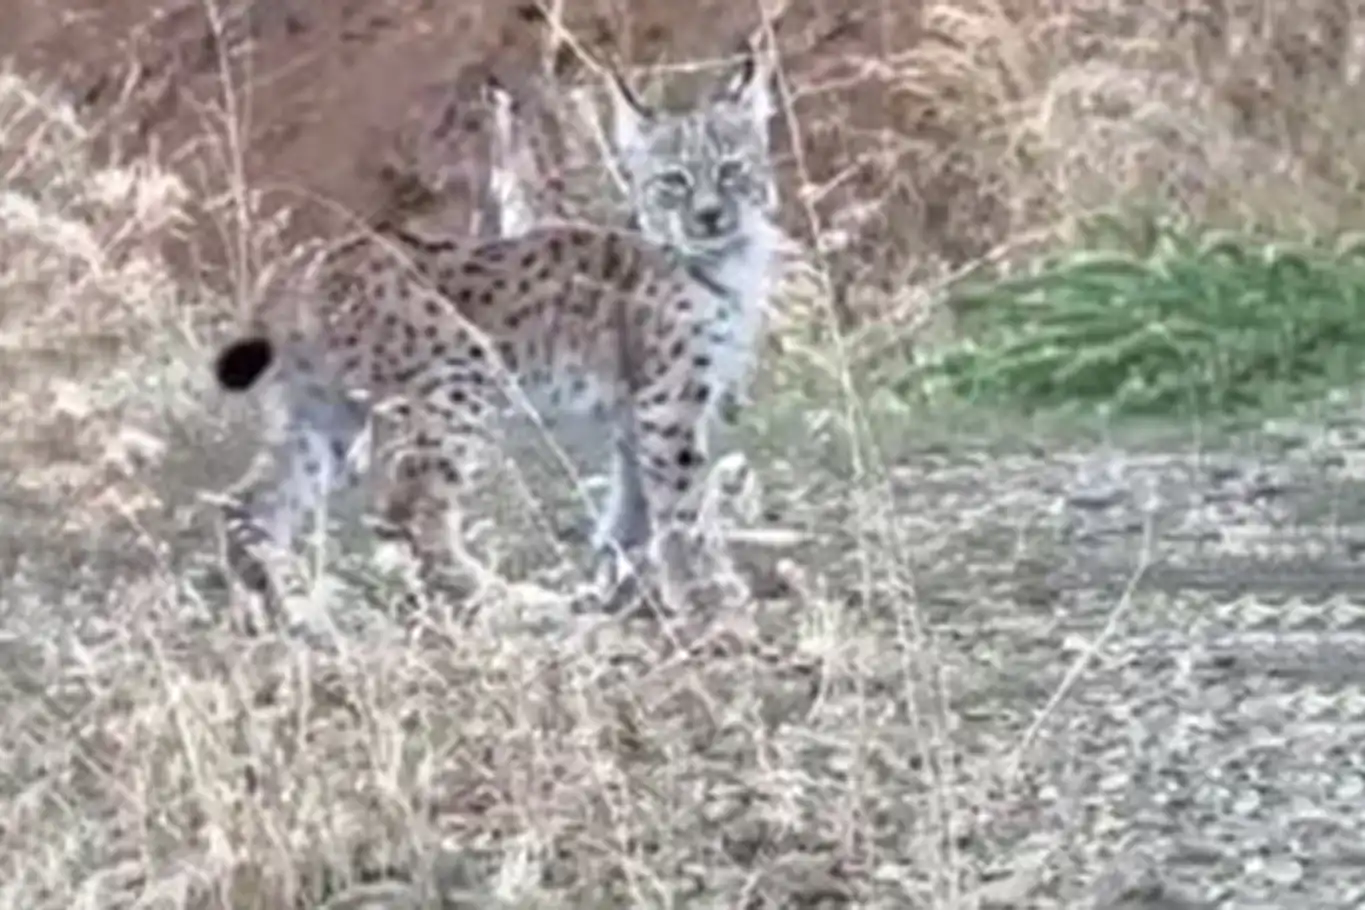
<point x="1172" y="641"/>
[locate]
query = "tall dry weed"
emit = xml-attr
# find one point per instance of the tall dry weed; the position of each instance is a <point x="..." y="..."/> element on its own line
<point x="87" y="311"/>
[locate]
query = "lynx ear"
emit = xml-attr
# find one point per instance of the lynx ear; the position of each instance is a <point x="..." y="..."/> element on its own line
<point x="629" y="115"/>
<point x="750" y="84"/>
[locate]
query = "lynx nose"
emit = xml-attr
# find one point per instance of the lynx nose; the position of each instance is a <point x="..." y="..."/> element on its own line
<point x="711" y="220"/>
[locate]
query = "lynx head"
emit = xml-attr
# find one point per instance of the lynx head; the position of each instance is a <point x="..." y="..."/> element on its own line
<point x="701" y="180"/>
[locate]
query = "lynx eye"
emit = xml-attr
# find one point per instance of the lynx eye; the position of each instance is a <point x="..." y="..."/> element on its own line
<point x="670" y="189"/>
<point x="674" y="183"/>
<point x="732" y="171"/>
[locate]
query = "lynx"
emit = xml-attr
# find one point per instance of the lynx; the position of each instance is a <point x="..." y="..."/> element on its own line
<point x="430" y="337"/>
<point x="549" y="164"/>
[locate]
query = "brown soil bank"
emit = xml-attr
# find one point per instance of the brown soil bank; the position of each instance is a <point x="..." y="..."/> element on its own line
<point x="929" y="131"/>
<point x="336" y="106"/>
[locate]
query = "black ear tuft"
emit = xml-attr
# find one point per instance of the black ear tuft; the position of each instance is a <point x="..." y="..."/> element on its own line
<point x="242" y="362"/>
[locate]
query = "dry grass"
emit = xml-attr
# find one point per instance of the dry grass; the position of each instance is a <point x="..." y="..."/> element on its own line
<point x="1008" y="123"/>
<point x="848" y="741"/>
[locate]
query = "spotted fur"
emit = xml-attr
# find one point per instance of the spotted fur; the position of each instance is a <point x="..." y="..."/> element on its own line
<point x="426" y="338"/>
<point x="547" y="168"/>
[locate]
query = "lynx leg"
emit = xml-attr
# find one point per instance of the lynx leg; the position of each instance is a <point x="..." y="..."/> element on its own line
<point x="622" y="527"/>
<point x="625" y="514"/>
<point x="264" y="511"/>
<point x="674" y="456"/>
<point x="419" y="506"/>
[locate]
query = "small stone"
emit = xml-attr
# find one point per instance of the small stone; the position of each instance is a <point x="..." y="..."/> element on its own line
<point x="1096" y="499"/>
<point x="1224" y="472"/>
<point x="1350" y="788"/>
<point x="1283" y="870"/>
<point x="1247" y="803"/>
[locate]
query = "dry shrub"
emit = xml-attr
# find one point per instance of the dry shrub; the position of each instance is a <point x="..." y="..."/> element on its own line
<point x="486" y="768"/>
<point x="1009" y="121"/>
<point x="85" y="308"/>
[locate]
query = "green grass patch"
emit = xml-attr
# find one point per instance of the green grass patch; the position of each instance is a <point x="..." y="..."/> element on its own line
<point x="1160" y="320"/>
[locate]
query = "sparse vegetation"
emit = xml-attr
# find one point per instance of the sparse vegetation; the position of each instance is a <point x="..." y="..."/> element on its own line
<point x="973" y="679"/>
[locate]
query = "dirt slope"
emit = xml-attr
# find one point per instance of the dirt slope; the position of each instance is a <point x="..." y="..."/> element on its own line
<point x="350" y="105"/>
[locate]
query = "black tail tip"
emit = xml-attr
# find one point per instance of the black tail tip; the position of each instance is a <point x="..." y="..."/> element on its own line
<point x="242" y="362"/>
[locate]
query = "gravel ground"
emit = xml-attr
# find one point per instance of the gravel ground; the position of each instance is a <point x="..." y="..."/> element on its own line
<point x="1076" y="676"/>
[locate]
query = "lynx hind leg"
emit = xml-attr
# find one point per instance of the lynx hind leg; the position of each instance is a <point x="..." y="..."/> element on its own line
<point x="419" y="505"/>
<point x="311" y="456"/>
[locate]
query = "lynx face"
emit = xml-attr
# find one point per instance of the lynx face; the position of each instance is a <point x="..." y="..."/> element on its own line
<point x="701" y="180"/>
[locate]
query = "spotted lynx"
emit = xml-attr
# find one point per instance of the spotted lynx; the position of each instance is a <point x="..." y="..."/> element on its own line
<point x="549" y="165"/>
<point x="428" y="338"/>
